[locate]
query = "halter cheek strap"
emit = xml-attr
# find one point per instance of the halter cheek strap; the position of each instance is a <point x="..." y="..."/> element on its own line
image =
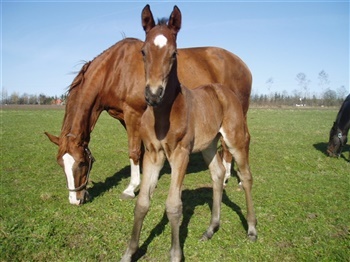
<point x="340" y="136"/>
<point x="91" y="160"/>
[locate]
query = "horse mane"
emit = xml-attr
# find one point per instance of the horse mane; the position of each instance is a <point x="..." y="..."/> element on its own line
<point x="79" y="79"/>
<point x="163" y="21"/>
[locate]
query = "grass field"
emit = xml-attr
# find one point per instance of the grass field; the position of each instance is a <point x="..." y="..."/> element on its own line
<point x="301" y="196"/>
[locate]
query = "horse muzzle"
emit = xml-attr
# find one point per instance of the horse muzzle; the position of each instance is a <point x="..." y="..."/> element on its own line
<point x="154" y="96"/>
<point x="80" y="198"/>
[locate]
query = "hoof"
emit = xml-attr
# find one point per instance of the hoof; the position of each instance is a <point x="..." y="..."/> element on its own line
<point x="240" y="187"/>
<point x="252" y="237"/>
<point x="204" y="238"/>
<point x="125" y="196"/>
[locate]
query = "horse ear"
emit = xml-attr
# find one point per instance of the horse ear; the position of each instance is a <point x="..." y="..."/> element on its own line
<point x="175" y="20"/>
<point x="53" y="139"/>
<point x="147" y="19"/>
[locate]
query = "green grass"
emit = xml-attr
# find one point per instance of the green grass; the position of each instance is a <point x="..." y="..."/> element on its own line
<point x="301" y="196"/>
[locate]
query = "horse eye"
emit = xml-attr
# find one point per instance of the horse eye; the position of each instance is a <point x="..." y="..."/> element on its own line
<point x="174" y="55"/>
<point x="143" y="53"/>
<point x="82" y="164"/>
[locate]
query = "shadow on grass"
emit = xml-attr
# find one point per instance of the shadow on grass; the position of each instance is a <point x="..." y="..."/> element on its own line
<point x="191" y="199"/>
<point x="196" y="165"/>
<point x="322" y="147"/>
<point x="100" y="188"/>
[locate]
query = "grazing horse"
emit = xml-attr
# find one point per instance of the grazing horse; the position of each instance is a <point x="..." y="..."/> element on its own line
<point x="338" y="136"/>
<point x="179" y="121"/>
<point x="114" y="81"/>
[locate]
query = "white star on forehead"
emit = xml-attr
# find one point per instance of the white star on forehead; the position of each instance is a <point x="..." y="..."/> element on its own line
<point x="160" y="41"/>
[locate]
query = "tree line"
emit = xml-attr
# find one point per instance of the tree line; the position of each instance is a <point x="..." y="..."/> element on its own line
<point x="300" y="96"/>
<point x="328" y="98"/>
<point x="16" y="98"/>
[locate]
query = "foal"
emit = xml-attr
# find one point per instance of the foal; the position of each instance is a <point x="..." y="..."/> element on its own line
<point x="179" y="121"/>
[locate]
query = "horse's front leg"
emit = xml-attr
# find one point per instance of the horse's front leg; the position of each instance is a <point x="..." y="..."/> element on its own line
<point x="132" y="123"/>
<point x="217" y="171"/>
<point x="152" y="164"/>
<point x="179" y="161"/>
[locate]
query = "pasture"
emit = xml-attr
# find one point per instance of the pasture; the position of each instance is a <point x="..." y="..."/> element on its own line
<point x="301" y="196"/>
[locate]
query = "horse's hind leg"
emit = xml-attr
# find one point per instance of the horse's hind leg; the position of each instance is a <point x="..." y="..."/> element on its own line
<point x="238" y="144"/>
<point x="217" y="171"/>
<point x="227" y="161"/>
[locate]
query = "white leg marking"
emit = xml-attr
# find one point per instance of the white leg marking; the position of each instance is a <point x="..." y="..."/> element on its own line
<point x="68" y="162"/>
<point x="134" y="180"/>
<point x="160" y="41"/>
<point x="228" y="170"/>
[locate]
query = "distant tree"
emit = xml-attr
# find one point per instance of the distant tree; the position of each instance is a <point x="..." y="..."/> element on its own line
<point x="323" y="81"/>
<point x="303" y="83"/>
<point x="330" y="98"/>
<point x="14" y="98"/>
<point x="342" y="92"/>
<point x="33" y="99"/>
<point x="269" y="82"/>
<point x="4" y="96"/>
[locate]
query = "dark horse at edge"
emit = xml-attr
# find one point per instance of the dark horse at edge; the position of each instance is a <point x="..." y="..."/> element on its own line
<point x="338" y="135"/>
<point x="114" y="81"/>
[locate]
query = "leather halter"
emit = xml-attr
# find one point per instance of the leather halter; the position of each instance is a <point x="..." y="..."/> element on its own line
<point x="340" y="136"/>
<point x="91" y="160"/>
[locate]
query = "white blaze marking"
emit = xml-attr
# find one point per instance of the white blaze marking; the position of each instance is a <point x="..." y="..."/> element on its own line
<point x="160" y="41"/>
<point x="68" y="162"/>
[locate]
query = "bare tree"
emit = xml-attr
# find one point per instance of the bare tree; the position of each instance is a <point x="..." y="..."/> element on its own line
<point x="323" y="81"/>
<point x="269" y="82"/>
<point x="342" y="92"/>
<point x="303" y="82"/>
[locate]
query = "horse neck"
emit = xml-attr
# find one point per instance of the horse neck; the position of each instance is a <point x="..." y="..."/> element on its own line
<point x="80" y="117"/>
<point x="172" y="90"/>
<point x="343" y="117"/>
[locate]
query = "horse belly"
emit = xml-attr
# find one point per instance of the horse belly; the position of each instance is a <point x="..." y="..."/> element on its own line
<point x="207" y="120"/>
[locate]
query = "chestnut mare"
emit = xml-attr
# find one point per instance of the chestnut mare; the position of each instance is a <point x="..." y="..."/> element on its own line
<point x="179" y="121"/>
<point x="114" y="82"/>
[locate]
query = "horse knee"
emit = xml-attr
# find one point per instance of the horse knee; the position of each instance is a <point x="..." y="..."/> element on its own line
<point x="135" y="155"/>
<point x="141" y="208"/>
<point x="173" y="210"/>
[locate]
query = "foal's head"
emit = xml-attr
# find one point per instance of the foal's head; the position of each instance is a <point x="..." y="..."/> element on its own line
<point x="159" y="53"/>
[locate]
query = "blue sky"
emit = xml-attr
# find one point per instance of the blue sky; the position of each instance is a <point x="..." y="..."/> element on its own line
<point x="44" y="42"/>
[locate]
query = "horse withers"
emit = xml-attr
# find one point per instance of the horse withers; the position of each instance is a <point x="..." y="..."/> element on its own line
<point x="338" y="135"/>
<point x="179" y="121"/>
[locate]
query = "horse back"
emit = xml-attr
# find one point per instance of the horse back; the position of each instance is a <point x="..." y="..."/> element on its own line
<point x="203" y="65"/>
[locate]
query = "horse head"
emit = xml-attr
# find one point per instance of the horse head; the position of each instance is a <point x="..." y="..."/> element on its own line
<point x="336" y="141"/>
<point x="159" y="53"/>
<point x="76" y="160"/>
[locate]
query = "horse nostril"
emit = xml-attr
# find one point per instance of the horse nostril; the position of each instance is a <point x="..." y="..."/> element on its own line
<point x="160" y="91"/>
